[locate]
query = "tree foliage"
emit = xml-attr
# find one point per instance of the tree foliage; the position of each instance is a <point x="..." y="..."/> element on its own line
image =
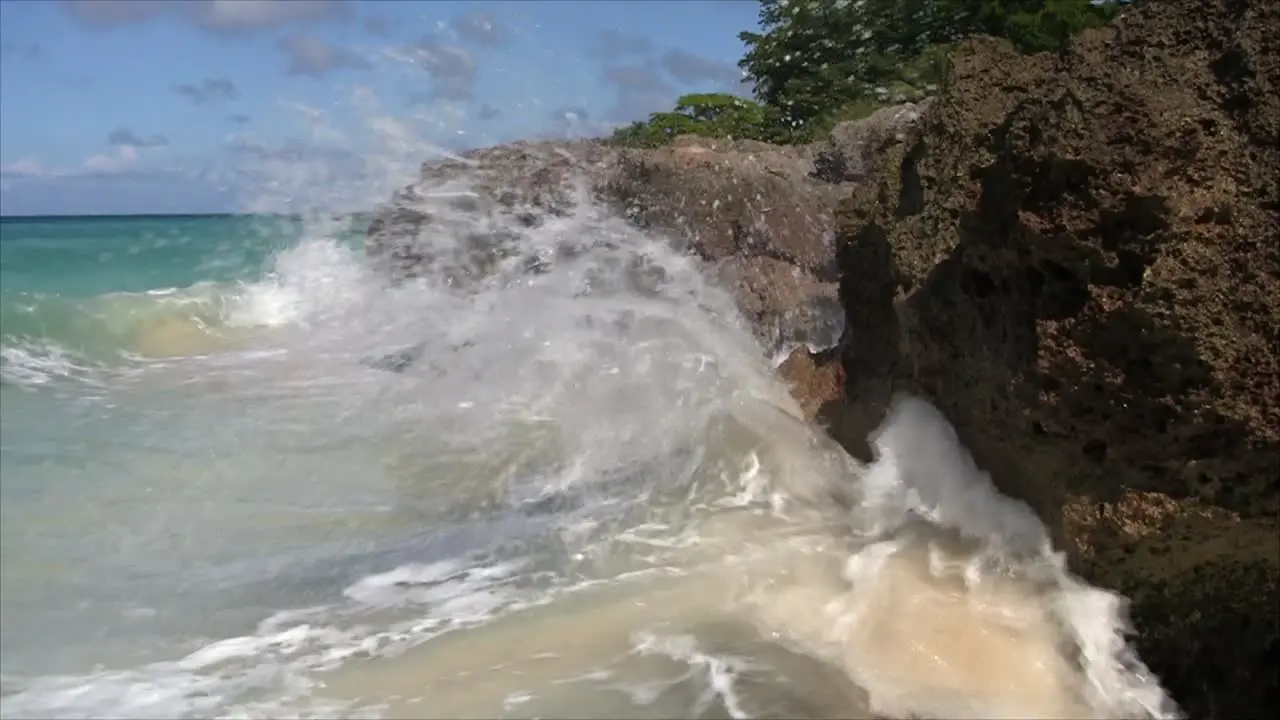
<point x="814" y="56"/>
<point x="710" y="114"/>
<point x="817" y="60"/>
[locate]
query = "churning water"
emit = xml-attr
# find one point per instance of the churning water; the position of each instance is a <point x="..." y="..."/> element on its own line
<point x="581" y="493"/>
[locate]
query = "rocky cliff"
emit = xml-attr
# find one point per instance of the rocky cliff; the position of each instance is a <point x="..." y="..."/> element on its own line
<point x="760" y="217"/>
<point x="1078" y="259"/>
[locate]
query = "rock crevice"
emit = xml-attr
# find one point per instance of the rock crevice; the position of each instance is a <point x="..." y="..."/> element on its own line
<point x="1077" y="258"/>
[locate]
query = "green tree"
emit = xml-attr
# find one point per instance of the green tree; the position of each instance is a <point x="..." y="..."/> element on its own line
<point x="801" y="62"/>
<point x="814" y="57"/>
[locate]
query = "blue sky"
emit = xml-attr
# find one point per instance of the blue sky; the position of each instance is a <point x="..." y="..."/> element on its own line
<point x="129" y="106"/>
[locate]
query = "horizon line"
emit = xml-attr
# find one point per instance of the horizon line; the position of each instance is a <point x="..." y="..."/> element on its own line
<point x="71" y="216"/>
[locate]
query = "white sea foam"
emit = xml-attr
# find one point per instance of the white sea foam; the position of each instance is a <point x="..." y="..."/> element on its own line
<point x="30" y="364"/>
<point x="927" y="623"/>
<point x="576" y="494"/>
<point x="315" y="277"/>
<point x="278" y="662"/>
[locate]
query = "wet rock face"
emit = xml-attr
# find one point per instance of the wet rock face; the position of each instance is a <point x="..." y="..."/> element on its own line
<point x="480" y="203"/>
<point x="761" y="217"/>
<point x="750" y="213"/>
<point x="1078" y="260"/>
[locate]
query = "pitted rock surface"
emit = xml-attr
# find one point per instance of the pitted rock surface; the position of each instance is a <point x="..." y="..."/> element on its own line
<point x="1077" y="258"/>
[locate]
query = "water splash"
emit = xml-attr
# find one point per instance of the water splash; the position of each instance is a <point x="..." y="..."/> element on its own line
<point x="583" y="445"/>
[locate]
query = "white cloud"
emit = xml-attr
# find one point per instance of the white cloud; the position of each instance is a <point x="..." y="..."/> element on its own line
<point x="126" y="156"/>
<point x="99" y="163"/>
<point x="310" y="113"/>
<point x="122" y="159"/>
<point x="25" y="167"/>
<point x="219" y="17"/>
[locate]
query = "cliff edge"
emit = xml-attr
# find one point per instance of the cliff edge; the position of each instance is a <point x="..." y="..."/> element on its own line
<point x="1077" y="258"/>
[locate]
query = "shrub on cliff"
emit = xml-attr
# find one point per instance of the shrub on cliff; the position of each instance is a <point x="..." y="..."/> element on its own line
<point x="710" y="114"/>
<point x="818" y="62"/>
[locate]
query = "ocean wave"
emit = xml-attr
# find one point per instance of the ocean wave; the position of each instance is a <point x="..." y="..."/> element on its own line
<point x="936" y="598"/>
<point x="665" y="535"/>
<point x="47" y="337"/>
<point x="223" y="678"/>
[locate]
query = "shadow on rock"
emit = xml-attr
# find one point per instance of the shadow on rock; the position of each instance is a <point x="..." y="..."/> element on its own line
<point x="1075" y="258"/>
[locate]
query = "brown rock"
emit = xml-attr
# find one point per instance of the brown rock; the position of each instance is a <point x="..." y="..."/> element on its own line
<point x="1078" y="260"/>
<point x="750" y="211"/>
<point x="759" y="215"/>
<point x="850" y="151"/>
<point x="481" y="199"/>
<point x="730" y="201"/>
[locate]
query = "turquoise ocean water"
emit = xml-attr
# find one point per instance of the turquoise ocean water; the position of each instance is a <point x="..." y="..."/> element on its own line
<point x="583" y="496"/>
<point x="91" y="284"/>
<point x="85" y="304"/>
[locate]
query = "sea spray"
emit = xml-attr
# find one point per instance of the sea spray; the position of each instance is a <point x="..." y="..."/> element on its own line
<point x="584" y="494"/>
